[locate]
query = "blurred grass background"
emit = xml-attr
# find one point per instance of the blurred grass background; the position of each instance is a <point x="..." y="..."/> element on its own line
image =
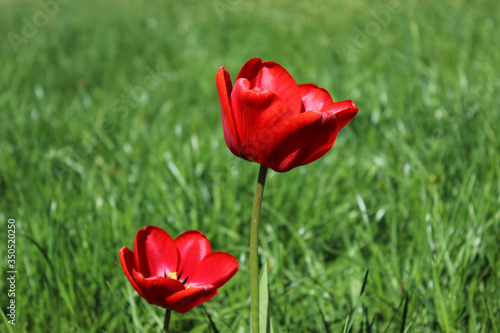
<point x="110" y="121"/>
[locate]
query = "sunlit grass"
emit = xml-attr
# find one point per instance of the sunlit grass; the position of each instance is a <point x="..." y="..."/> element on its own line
<point x="110" y="121"/>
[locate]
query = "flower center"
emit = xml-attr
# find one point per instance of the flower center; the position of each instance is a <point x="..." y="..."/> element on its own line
<point x="173" y="275"/>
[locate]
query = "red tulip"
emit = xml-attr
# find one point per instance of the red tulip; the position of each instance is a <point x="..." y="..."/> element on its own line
<point x="269" y="119"/>
<point x="176" y="274"/>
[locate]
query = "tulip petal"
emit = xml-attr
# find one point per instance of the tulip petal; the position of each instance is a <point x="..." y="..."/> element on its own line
<point x="318" y="99"/>
<point x="271" y="76"/>
<point x="250" y="69"/>
<point x="314" y="98"/>
<point x="239" y="108"/>
<point x="344" y="111"/>
<point x="224" y="88"/>
<point x="157" y="289"/>
<point x="193" y="246"/>
<point x="299" y="139"/>
<point x="185" y="300"/>
<point x="155" y="252"/>
<point x="128" y="265"/>
<point x="255" y="130"/>
<point x="306" y="137"/>
<point x="215" y="269"/>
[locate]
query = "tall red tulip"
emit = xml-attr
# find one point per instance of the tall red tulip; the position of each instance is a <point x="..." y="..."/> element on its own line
<point x="176" y="274"/>
<point x="269" y="119"/>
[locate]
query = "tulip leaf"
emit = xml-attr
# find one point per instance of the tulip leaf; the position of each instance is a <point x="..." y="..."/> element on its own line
<point x="264" y="317"/>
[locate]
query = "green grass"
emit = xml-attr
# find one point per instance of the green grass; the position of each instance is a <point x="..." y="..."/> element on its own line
<point x="93" y="146"/>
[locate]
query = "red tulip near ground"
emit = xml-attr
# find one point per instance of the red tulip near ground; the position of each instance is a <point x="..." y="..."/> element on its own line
<point x="176" y="274"/>
<point x="269" y="119"/>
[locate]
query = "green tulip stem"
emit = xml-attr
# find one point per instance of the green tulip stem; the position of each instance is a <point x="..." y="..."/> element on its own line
<point x="167" y="321"/>
<point x="254" y="251"/>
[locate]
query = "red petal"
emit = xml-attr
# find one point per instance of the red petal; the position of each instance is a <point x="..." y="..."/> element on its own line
<point x="185" y="300"/>
<point x="344" y="111"/>
<point x="314" y="98"/>
<point x="157" y="289"/>
<point x="155" y="252"/>
<point x="300" y="138"/>
<point x="271" y="76"/>
<point x="224" y="89"/>
<point x="258" y="112"/>
<point x="128" y="265"/>
<point x="215" y="269"/>
<point x="318" y="99"/>
<point x="193" y="246"/>
<point x="306" y="137"/>
<point x="240" y="115"/>
<point x="251" y="69"/>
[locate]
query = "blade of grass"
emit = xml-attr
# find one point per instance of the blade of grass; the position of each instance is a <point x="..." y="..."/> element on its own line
<point x="352" y="315"/>
<point x="212" y="324"/>
<point x="327" y="327"/>
<point x="264" y="319"/>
